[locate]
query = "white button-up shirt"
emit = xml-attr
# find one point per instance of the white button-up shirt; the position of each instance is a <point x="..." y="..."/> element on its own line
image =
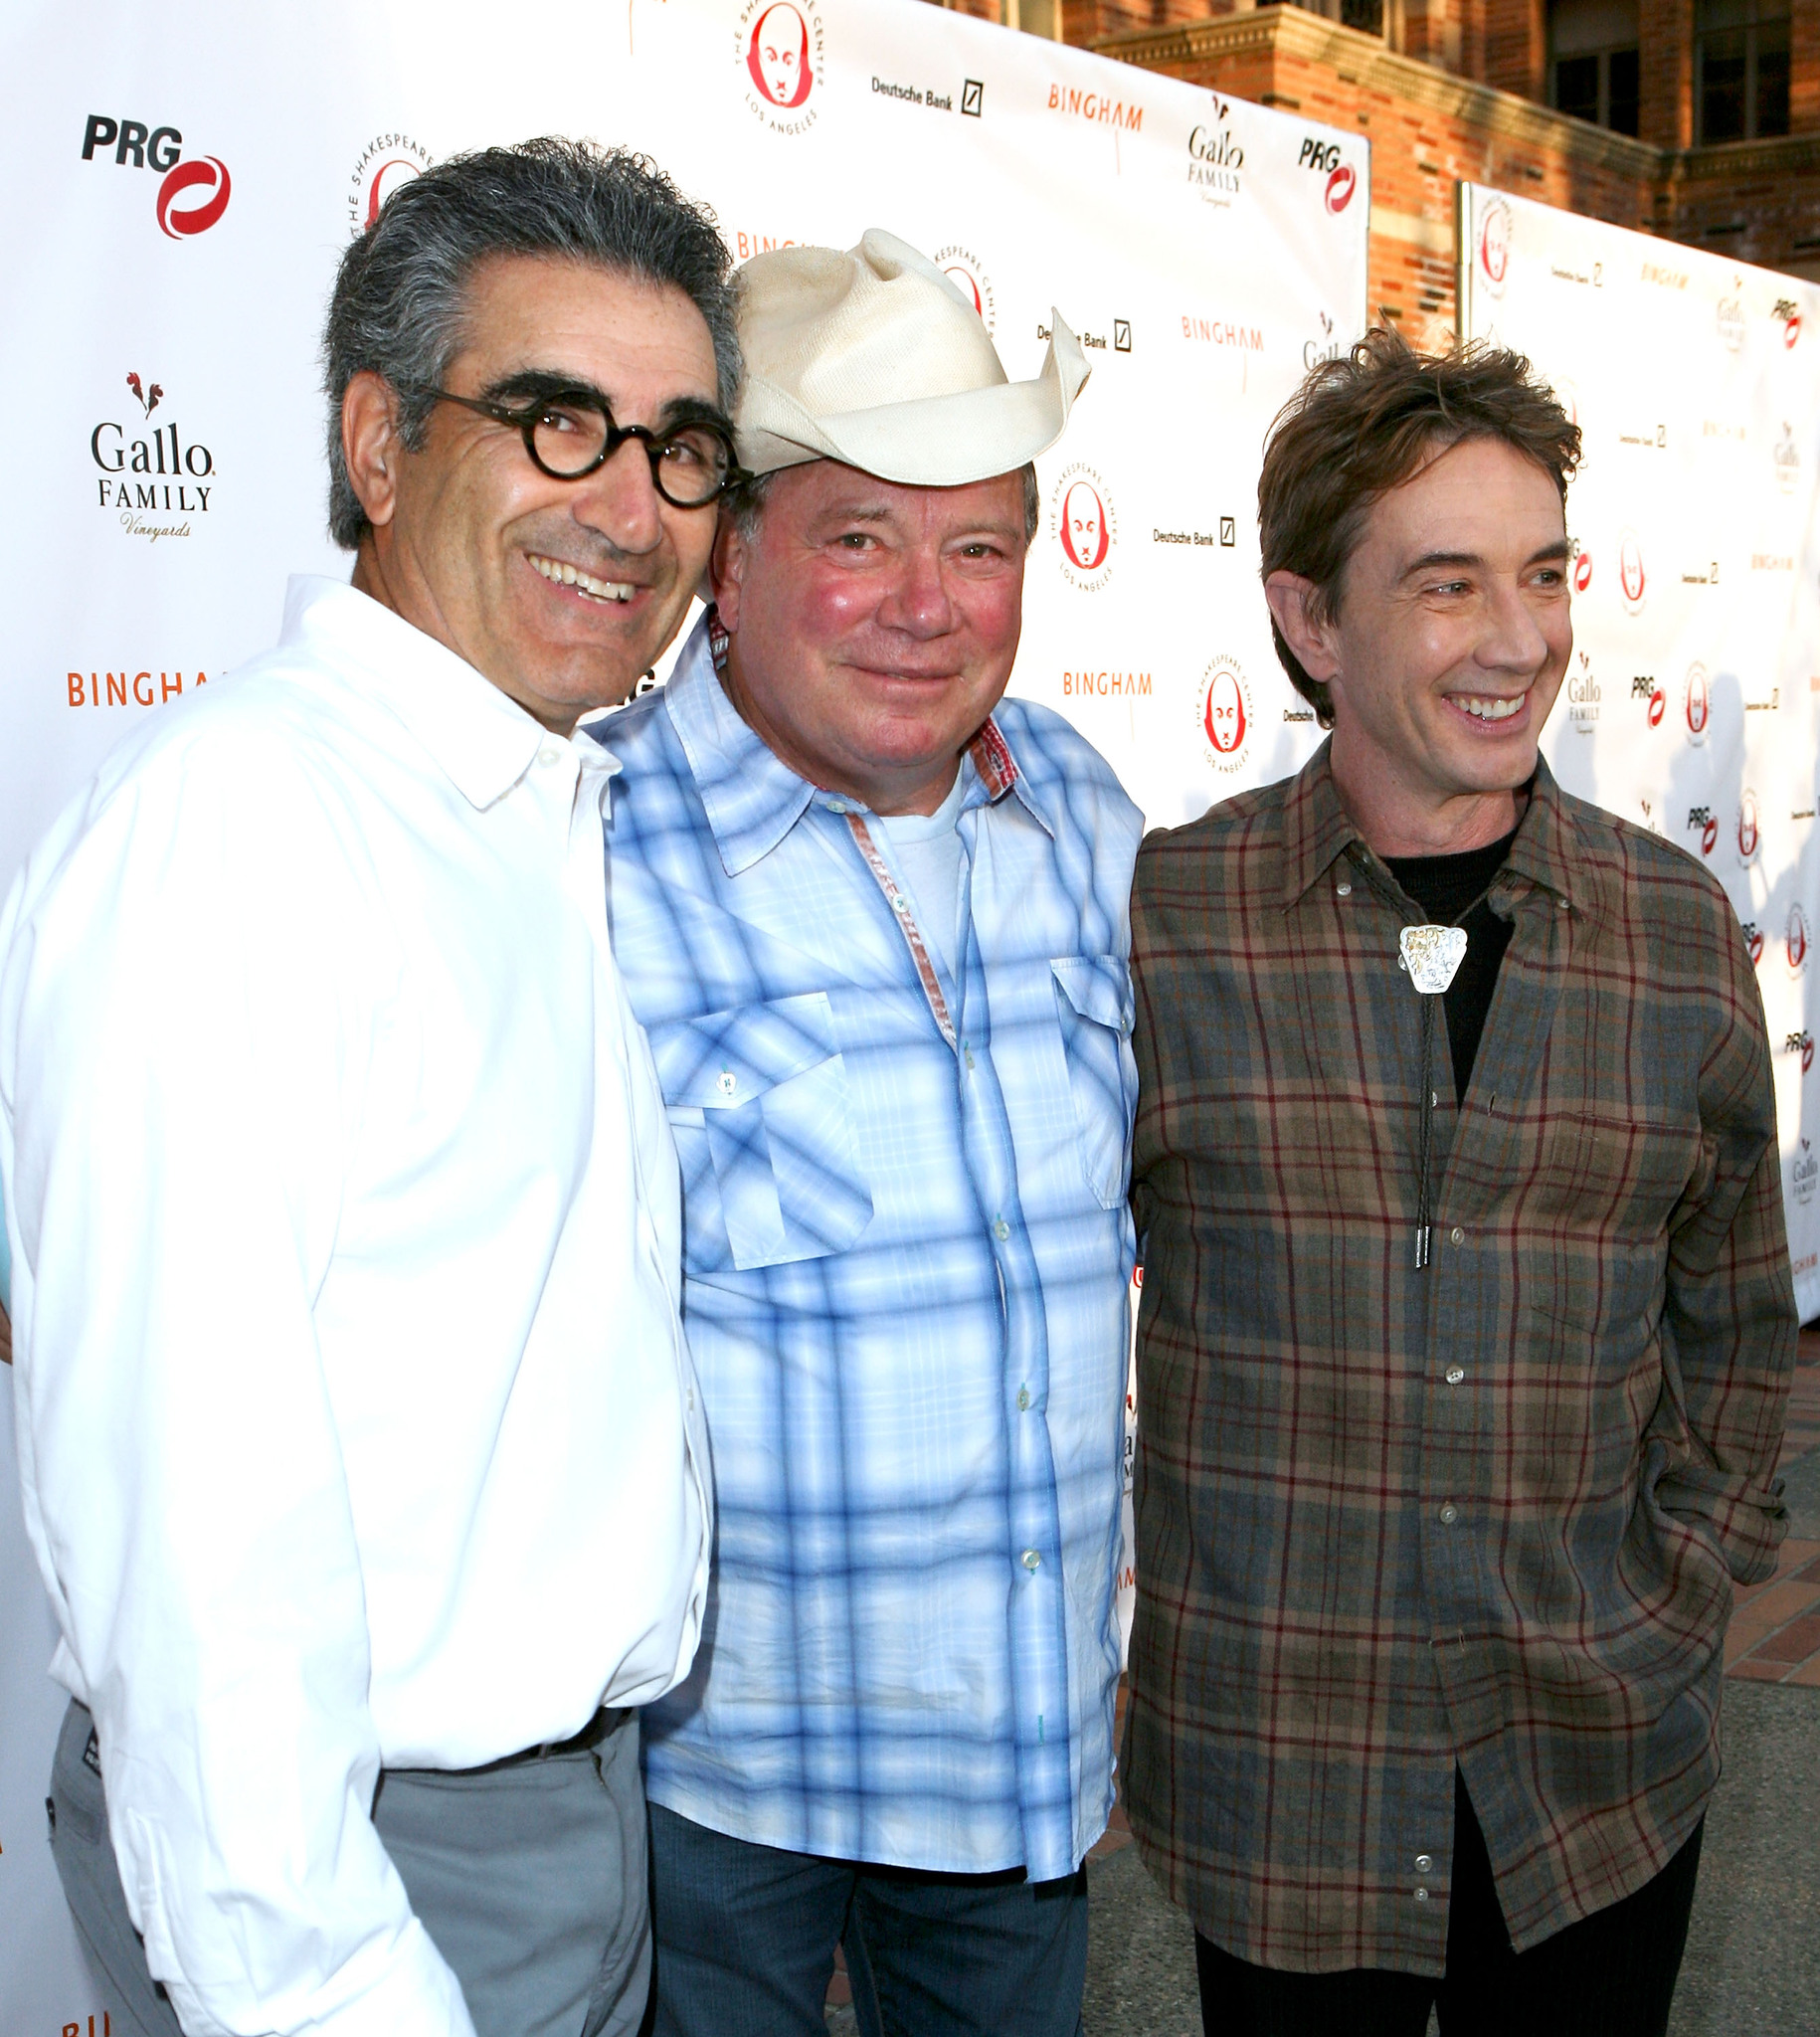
<point x="356" y="1423"/>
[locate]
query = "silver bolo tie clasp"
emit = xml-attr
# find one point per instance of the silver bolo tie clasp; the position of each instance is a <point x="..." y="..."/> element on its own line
<point x="1430" y="956"/>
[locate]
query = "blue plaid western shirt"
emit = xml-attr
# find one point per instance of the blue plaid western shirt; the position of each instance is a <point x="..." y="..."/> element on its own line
<point x="906" y="1263"/>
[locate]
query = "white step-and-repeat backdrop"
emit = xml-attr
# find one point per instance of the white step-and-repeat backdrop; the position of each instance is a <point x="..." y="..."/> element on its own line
<point x="184" y="179"/>
<point x="1693" y="704"/>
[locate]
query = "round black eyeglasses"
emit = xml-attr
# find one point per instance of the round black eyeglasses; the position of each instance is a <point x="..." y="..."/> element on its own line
<point x="572" y="434"/>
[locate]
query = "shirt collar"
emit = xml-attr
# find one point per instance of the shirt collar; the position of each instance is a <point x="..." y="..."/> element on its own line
<point x="1316" y="829"/>
<point x="751" y="796"/>
<point x="480" y="738"/>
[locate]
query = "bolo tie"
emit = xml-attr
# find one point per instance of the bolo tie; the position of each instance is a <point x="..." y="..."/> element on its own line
<point x="1431" y="955"/>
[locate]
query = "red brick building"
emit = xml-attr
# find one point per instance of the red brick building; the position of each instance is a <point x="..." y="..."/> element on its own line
<point x="1696" y="120"/>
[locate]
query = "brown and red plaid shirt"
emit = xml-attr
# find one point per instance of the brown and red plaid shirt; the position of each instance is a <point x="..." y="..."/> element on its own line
<point x="1488" y="1512"/>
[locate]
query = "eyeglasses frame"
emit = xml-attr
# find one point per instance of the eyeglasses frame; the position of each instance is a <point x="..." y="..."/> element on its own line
<point x="524" y="419"/>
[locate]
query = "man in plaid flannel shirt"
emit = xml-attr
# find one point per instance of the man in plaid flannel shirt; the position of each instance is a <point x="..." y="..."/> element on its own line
<point x="1468" y="1320"/>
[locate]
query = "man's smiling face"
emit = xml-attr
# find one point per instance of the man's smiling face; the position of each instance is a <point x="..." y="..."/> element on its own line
<point x="1448" y="647"/>
<point x="561" y="592"/>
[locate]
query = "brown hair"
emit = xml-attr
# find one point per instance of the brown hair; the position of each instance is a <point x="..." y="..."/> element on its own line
<point x="1362" y="425"/>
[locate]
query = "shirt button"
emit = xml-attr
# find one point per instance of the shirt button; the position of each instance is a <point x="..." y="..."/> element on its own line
<point x="837" y="806"/>
<point x="1030" y="1560"/>
<point x="549" y="755"/>
<point x="1455" y="1374"/>
<point x="1450" y="1514"/>
<point x="1023" y="1398"/>
<point x="728" y="1082"/>
<point x="1457" y="1235"/>
<point x="1001" y="1229"/>
<point x="1343" y="890"/>
<point x="1565" y="905"/>
<point x="900" y="903"/>
<point x="1421" y="1895"/>
<point x="1423" y="1862"/>
<point x="970" y="1059"/>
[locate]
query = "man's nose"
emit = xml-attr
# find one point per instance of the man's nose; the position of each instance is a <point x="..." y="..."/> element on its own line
<point x="1516" y="641"/>
<point x="917" y="600"/>
<point x="621" y="502"/>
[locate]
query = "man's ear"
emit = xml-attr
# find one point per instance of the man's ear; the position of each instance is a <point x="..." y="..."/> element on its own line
<point x="727" y="570"/>
<point x="1295" y="610"/>
<point x="372" y="445"/>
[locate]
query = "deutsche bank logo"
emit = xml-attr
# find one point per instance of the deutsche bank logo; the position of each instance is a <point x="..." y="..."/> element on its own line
<point x="973" y="97"/>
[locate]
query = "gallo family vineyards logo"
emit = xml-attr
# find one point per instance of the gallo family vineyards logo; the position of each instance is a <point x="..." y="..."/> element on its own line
<point x="1493" y="253"/>
<point x="1786" y="455"/>
<point x="1086" y="526"/>
<point x="969" y="277"/>
<point x="1728" y="319"/>
<point x="1223" y="711"/>
<point x="387" y="161"/>
<point x="1697" y="702"/>
<point x="1215" y="159"/>
<point x="152" y="477"/>
<point x="201" y="182"/>
<point x="1582" y="695"/>
<point x="1804" y="1173"/>
<point x="778" y="45"/>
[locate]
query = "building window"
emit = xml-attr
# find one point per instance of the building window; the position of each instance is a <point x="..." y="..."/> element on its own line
<point x="1368" y="16"/>
<point x="1740" y="68"/>
<point x="1592" y="61"/>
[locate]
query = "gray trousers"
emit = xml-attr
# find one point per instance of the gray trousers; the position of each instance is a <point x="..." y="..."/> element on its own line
<point x="529" y="1876"/>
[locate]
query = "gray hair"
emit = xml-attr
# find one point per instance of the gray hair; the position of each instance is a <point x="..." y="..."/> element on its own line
<point x="746" y="502"/>
<point x="400" y="297"/>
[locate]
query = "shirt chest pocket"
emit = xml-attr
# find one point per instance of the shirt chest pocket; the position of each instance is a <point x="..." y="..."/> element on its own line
<point x="758" y="1102"/>
<point x="1094" y="1007"/>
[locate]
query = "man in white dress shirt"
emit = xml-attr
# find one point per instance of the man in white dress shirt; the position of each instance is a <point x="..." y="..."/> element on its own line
<point x="358" y="1437"/>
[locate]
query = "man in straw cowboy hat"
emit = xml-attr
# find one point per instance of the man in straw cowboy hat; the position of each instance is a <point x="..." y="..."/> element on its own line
<point x="874" y="918"/>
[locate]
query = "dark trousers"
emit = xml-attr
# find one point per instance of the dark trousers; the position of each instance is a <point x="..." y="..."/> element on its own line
<point x="746" y="1935"/>
<point x="1612" y="1975"/>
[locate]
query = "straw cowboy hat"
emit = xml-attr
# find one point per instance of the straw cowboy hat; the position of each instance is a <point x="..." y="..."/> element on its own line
<point x="874" y="358"/>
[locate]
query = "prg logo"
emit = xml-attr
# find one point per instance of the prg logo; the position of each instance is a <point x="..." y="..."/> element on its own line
<point x="137" y="146"/>
<point x="1788" y="313"/>
<point x="1643" y="687"/>
<point x="1340" y="178"/>
<point x="1225" y="712"/>
<point x="1754" y="942"/>
<point x="778" y="45"/>
<point x="968" y="274"/>
<point x="387" y="161"/>
<point x="1086" y="526"/>
<point x="1702" y="821"/>
<point x="1801" y="1043"/>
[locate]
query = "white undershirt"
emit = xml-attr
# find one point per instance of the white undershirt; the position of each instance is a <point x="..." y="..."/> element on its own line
<point x="926" y="850"/>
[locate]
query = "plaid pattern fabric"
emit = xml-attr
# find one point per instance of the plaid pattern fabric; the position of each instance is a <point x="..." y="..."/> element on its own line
<point x="906" y="1263"/>
<point x="1487" y="1513"/>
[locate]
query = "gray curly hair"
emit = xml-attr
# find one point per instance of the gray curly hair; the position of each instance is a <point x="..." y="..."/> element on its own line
<point x="400" y="292"/>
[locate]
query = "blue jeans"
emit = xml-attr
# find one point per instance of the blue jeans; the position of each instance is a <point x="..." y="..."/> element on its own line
<point x="744" y="1941"/>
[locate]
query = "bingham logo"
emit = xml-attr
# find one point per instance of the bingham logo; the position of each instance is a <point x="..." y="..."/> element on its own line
<point x="779" y="44"/>
<point x="1225" y="712"/>
<point x="968" y="274"/>
<point x="1085" y="524"/>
